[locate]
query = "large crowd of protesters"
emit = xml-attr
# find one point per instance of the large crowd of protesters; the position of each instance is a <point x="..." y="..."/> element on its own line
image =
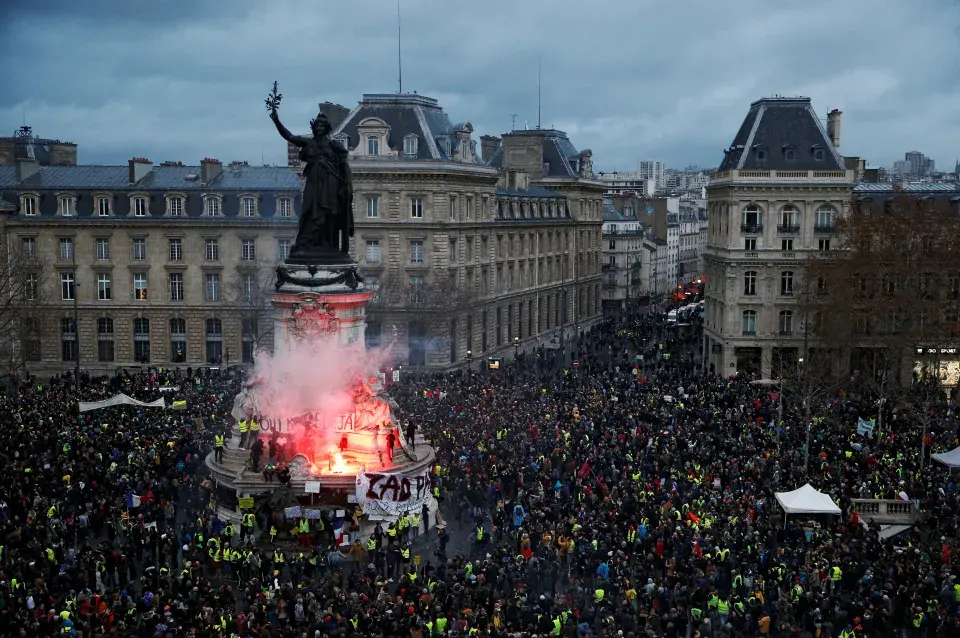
<point x="630" y="495"/>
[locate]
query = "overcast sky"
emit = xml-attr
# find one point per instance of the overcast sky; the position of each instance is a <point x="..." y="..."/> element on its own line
<point x="629" y="79"/>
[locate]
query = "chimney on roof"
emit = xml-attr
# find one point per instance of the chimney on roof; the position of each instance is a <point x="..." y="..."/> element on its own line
<point x="209" y="170"/>
<point x="833" y="127"/>
<point x="26" y="168"/>
<point x="488" y="146"/>
<point x="140" y="167"/>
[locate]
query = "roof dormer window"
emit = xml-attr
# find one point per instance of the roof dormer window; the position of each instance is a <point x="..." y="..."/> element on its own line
<point x="410" y="145"/>
<point x="760" y="152"/>
<point x="818" y="153"/>
<point x="790" y="153"/>
<point x="373" y="145"/>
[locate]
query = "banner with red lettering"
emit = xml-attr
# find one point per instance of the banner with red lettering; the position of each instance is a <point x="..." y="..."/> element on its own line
<point x="392" y="494"/>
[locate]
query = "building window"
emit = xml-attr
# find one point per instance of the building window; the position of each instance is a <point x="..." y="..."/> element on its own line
<point x="104" y="289"/>
<point x="373" y="207"/>
<point x="249" y="207"/>
<point x="786" y="322"/>
<point x="68" y="286"/>
<point x="105" y="349"/>
<point x="371" y="334"/>
<point x="248" y="330"/>
<point x="212" y="288"/>
<point x="214" y="333"/>
<point x="139" y="206"/>
<point x="140" y="286"/>
<point x="410" y="145"/>
<point x="176" y="286"/>
<point x="416" y="288"/>
<point x="416" y="208"/>
<point x="139" y="249"/>
<point x="824" y="220"/>
<point x="103" y="206"/>
<point x="750" y="282"/>
<point x="786" y="283"/>
<point x="68" y="339"/>
<point x="751" y="220"/>
<point x="283" y="249"/>
<point x="453" y="251"/>
<point x="786" y="244"/>
<point x="103" y="249"/>
<point x="248" y="287"/>
<point x="416" y="251"/>
<point x="66" y="249"/>
<point x="176" y="207"/>
<point x="749" y="322"/>
<point x="823" y="245"/>
<point x="789" y="221"/>
<point x="68" y="206"/>
<point x="31" y="287"/>
<point x="176" y="248"/>
<point x="29" y="205"/>
<point x="31" y="340"/>
<point x="818" y="154"/>
<point x="141" y="340"/>
<point x="286" y="207"/>
<point x="373" y="145"/>
<point x="211" y="250"/>
<point x="372" y="253"/>
<point x="28" y="246"/>
<point x="178" y="340"/>
<point x="211" y="206"/>
<point x="248" y="250"/>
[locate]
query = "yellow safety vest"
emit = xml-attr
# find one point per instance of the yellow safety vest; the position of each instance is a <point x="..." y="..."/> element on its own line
<point x="218" y="440"/>
<point x="243" y="426"/>
<point x="254" y="426"/>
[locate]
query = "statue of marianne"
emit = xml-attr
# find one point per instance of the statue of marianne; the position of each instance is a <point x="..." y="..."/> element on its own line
<point x="326" y="212"/>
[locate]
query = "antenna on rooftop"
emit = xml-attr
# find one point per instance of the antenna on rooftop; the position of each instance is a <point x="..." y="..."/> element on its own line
<point x="399" y="52"/>
<point x="513" y="121"/>
<point x="538" y="92"/>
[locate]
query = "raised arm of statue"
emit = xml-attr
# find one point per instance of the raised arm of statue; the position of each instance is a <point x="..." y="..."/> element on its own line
<point x="296" y="140"/>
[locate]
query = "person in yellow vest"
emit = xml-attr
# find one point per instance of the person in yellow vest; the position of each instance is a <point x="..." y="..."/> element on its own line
<point x="254" y="431"/>
<point x="247" y="525"/>
<point x="218" y="448"/>
<point x="244" y="431"/>
<point x="273" y="533"/>
<point x="304" y="530"/>
<point x="415" y="526"/>
<point x="228" y="531"/>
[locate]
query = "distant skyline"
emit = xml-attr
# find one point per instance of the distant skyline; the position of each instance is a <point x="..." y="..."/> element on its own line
<point x="628" y="79"/>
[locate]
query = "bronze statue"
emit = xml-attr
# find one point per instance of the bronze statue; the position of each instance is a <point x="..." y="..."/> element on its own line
<point x="326" y="212"/>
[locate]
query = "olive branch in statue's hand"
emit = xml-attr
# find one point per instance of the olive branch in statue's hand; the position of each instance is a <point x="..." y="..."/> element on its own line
<point x="273" y="99"/>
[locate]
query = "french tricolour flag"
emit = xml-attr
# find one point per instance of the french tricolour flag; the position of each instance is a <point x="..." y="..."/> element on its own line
<point x="132" y="500"/>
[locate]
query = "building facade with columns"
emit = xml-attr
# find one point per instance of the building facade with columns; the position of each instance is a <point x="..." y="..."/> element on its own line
<point x="474" y="254"/>
<point x="160" y="264"/>
<point x="772" y="202"/>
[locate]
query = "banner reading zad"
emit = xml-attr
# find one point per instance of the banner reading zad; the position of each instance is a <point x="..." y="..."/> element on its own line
<point x="382" y="494"/>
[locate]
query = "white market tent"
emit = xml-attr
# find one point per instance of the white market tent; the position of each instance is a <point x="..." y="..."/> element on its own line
<point x="806" y="500"/>
<point x="951" y="459"/>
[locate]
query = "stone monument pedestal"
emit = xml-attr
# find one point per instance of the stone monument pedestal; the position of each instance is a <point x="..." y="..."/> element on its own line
<point x="316" y="299"/>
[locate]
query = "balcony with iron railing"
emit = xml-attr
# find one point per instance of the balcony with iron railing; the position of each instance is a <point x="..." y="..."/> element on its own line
<point x="789" y="228"/>
<point x="754" y="228"/>
<point x="823" y="229"/>
<point x="832" y="176"/>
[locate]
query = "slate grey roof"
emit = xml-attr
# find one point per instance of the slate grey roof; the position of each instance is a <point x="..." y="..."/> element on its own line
<point x="912" y="187"/>
<point x="266" y="183"/>
<point x="405" y="114"/>
<point x="558" y="152"/>
<point x="774" y="125"/>
<point x="533" y="191"/>
<point x="611" y="214"/>
<point x="5" y="205"/>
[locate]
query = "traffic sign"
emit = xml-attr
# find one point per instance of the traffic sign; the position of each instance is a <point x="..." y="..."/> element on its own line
<point x="576" y="363"/>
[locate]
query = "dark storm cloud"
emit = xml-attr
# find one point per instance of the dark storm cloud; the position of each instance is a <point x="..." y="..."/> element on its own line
<point x="629" y="79"/>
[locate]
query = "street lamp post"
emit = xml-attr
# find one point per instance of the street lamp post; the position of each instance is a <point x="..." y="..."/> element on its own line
<point x="469" y="360"/>
<point x="516" y="351"/>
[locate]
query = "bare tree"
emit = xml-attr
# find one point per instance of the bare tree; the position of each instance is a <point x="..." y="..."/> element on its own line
<point x="247" y="295"/>
<point x="890" y="288"/>
<point x="425" y="304"/>
<point x="24" y="308"/>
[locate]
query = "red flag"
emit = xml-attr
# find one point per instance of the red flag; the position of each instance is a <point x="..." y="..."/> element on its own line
<point x="584" y="470"/>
